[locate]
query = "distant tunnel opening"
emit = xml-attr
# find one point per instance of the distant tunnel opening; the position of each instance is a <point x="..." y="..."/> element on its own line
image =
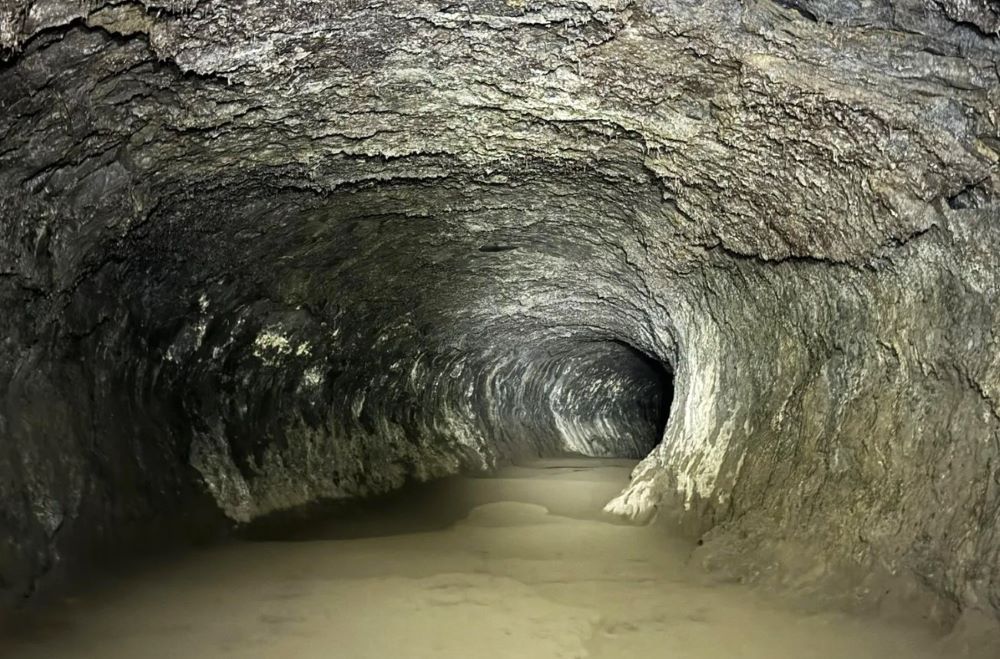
<point x="612" y="400"/>
<point x="656" y="397"/>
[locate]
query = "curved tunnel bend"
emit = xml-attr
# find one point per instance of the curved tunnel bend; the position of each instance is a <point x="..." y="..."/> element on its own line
<point x="374" y="332"/>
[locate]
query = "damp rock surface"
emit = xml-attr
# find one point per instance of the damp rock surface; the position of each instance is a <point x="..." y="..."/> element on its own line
<point x="255" y="255"/>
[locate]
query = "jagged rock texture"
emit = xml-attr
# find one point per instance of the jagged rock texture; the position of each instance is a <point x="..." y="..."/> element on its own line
<point x="263" y="253"/>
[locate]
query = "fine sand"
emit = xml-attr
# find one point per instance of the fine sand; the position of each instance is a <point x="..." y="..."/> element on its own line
<point x="519" y="565"/>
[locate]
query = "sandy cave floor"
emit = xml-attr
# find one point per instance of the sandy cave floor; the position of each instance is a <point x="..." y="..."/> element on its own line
<point x="522" y="564"/>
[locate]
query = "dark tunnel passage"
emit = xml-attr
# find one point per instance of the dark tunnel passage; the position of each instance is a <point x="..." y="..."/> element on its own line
<point x="729" y="268"/>
<point x="610" y="400"/>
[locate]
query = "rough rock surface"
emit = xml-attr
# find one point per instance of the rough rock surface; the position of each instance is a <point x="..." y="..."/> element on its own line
<point x="265" y="252"/>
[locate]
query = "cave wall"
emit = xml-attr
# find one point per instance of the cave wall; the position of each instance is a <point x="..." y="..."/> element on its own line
<point x="271" y="252"/>
<point x="848" y="407"/>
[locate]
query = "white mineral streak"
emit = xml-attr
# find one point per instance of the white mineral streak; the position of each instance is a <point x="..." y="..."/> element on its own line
<point x="693" y="457"/>
<point x="271" y="346"/>
<point x="312" y="377"/>
<point x="269" y="343"/>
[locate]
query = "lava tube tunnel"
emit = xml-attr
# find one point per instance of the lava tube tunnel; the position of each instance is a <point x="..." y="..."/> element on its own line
<point x="501" y="328"/>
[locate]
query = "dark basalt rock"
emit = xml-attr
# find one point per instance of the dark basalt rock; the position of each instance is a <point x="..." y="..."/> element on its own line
<point x="259" y="254"/>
